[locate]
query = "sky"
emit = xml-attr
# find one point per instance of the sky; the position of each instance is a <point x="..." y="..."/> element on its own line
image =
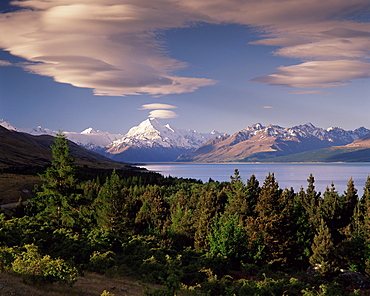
<point x="196" y="64"/>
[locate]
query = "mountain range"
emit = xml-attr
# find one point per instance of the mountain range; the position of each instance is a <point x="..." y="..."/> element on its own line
<point x="258" y="143"/>
<point x="151" y="141"/>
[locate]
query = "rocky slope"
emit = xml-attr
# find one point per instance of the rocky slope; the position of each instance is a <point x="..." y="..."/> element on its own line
<point x="259" y="143"/>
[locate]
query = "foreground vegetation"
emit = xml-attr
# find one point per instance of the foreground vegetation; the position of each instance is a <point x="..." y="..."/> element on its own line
<point x="192" y="238"/>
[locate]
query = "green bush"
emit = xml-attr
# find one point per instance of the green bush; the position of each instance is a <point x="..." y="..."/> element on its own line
<point x="7" y="256"/>
<point x="37" y="269"/>
<point x="101" y="262"/>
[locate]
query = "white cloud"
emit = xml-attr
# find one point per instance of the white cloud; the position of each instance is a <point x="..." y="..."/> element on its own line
<point x="268" y="107"/>
<point x="111" y="47"/>
<point x="317" y="74"/>
<point x="156" y="106"/>
<point x="309" y="92"/>
<point x="5" y="63"/>
<point x="106" y="45"/>
<point x="162" y="114"/>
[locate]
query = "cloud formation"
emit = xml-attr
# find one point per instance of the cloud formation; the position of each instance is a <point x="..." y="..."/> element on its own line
<point x="162" y="114"/>
<point x="318" y="74"/>
<point x="309" y="92"/>
<point x="106" y="45"/>
<point x="5" y="63"/>
<point x="156" y="106"/>
<point x="111" y="46"/>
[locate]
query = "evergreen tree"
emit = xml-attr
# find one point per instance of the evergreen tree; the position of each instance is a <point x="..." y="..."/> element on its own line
<point x="59" y="198"/>
<point x="323" y="249"/>
<point x="365" y="207"/>
<point x="350" y="200"/>
<point x="243" y="198"/>
<point x="253" y="190"/>
<point x="332" y="213"/>
<point x="154" y="214"/>
<point x="274" y="222"/>
<point x="365" y="211"/>
<point x="304" y="228"/>
<point x="311" y="201"/>
<point x="227" y="238"/>
<point x="115" y="207"/>
<point x="211" y="202"/>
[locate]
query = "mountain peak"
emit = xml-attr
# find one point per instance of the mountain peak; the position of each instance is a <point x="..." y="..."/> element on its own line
<point x="5" y="123"/>
<point x="89" y="130"/>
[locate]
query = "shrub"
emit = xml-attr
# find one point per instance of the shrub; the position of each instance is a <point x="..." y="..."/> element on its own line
<point x="101" y="262"/>
<point x="36" y="269"/>
<point x="7" y="256"/>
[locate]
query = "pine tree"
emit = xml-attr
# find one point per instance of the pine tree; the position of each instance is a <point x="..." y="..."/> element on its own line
<point x="332" y="213"/>
<point x="350" y="200"/>
<point x="211" y="202"/>
<point x="59" y="196"/>
<point x="323" y="249"/>
<point x="274" y="224"/>
<point x="115" y="207"/>
<point x="237" y="198"/>
<point x="304" y="228"/>
<point x="253" y="190"/>
<point x="365" y="207"/>
<point x="154" y="214"/>
<point x="311" y="201"/>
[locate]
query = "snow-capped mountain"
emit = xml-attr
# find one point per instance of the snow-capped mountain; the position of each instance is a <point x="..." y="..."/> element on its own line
<point x="149" y="141"/>
<point x="151" y="133"/>
<point x="93" y="139"/>
<point x="152" y="141"/>
<point x="258" y="142"/>
<point x="7" y="125"/>
<point x="89" y="138"/>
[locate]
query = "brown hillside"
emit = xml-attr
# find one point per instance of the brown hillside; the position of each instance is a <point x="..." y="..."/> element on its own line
<point x="21" y="149"/>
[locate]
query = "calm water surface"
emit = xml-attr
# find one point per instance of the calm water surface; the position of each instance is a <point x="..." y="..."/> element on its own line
<point x="287" y="174"/>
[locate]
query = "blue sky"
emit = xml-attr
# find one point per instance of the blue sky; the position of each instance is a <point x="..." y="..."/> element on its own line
<point x="197" y="64"/>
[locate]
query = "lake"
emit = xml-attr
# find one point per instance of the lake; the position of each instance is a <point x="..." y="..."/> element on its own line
<point x="287" y="174"/>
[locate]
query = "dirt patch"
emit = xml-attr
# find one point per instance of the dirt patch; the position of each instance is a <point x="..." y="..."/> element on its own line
<point x="91" y="284"/>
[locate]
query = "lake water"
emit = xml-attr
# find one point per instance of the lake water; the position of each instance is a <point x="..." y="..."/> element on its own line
<point x="287" y="174"/>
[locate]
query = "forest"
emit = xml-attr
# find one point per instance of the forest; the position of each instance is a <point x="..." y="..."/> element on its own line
<point x="190" y="237"/>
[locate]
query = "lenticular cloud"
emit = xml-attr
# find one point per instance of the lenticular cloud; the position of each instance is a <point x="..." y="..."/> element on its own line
<point x="103" y="45"/>
<point x="111" y="46"/>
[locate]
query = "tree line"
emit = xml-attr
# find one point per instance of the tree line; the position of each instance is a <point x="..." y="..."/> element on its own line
<point x="214" y="238"/>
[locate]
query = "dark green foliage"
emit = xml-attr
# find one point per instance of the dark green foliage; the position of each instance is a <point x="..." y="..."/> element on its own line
<point x="274" y="225"/>
<point x="210" y="203"/>
<point x="59" y="199"/>
<point x="227" y="238"/>
<point x="323" y="250"/>
<point x="154" y="213"/>
<point x="216" y="238"/>
<point x="115" y="207"/>
<point x="242" y="199"/>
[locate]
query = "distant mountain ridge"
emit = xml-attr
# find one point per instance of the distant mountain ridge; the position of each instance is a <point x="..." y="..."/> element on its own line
<point x="18" y="149"/>
<point x="89" y="138"/>
<point x="150" y="141"/>
<point x="265" y="143"/>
